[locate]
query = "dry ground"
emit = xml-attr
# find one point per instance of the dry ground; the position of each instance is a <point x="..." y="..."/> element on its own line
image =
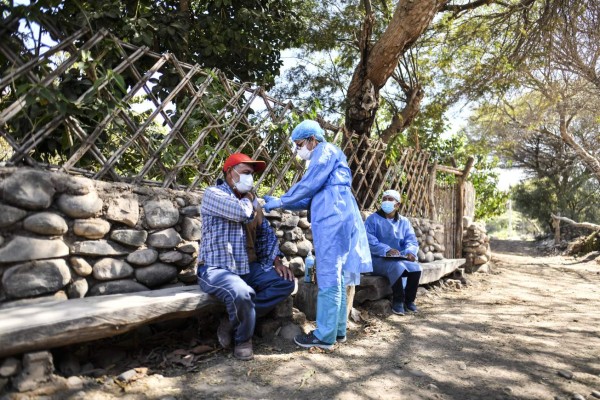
<point x="504" y="336"/>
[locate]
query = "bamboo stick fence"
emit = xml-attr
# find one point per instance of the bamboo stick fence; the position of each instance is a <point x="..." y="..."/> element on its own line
<point x="172" y="124"/>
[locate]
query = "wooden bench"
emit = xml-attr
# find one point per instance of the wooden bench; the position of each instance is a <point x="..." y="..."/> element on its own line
<point x="59" y="323"/>
<point x="374" y="287"/>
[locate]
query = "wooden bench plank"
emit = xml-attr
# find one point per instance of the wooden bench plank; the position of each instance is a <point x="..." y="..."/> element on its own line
<point x="436" y="270"/>
<point x="59" y="323"/>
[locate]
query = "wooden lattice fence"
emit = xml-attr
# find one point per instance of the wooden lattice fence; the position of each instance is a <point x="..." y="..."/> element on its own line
<point x="375" y="171"/>
<point x="96" y="106"/>
<point x="179" y="140"/>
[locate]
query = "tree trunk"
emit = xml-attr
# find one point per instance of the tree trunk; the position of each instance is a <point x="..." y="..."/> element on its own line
<point x="186" y="14"/>
<point x="592" y="162"/>
<point x="379" y="61"/>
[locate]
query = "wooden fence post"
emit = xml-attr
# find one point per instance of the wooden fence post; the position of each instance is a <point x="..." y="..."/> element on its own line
<point x="460" y="206"/>
<point x="432" y="205"/>
<point x="557" y="229"/>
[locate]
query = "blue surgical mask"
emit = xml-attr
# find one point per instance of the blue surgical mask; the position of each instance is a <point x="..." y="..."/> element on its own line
<point x="388" y="206"/>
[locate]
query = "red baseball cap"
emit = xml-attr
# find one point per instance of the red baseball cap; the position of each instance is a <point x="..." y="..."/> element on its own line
<point x="239" y="158"/>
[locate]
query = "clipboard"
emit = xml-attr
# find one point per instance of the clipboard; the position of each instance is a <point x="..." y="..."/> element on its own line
<point x="396" y="258"/>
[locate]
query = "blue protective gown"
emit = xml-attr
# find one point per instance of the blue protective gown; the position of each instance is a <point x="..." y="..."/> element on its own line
<point x="339" y="235"/>
<point x="385" y="234"/>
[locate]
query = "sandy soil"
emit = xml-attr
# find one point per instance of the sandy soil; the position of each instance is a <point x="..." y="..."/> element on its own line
<point x="506" y="335"/>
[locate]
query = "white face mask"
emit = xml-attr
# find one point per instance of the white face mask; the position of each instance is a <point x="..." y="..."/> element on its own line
<point x="304" y="153"/>
<point x="245" y="184"/>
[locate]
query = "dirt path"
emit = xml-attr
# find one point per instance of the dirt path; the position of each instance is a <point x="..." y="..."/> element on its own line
<point x="504" y="336"/>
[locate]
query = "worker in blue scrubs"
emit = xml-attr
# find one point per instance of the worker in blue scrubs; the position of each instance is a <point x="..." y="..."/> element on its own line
<point x="394" y="248"/>
<point x="339" y="236"/>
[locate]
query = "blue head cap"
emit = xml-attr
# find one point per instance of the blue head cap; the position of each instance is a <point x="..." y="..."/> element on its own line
<point x="308" y="128"/>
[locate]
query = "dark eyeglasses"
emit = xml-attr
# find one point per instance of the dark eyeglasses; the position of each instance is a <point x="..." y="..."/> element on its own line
<point x="300" y="143"/>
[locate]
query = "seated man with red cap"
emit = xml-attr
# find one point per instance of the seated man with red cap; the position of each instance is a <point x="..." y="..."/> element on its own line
<point x="242" y="261"/>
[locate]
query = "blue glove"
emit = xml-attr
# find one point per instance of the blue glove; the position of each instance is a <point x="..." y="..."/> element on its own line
<point x="273" y="203"/>
<point x="269" y="198"/>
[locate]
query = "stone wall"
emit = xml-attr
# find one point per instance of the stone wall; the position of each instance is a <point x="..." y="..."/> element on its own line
<point x="293" y="230"/>
<point x="431" y="239"/>
<point x="476" y="246"/>
<point x="69" y="237"/>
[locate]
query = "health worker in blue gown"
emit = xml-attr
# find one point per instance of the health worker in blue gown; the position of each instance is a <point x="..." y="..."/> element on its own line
<point x="394" y="248"/>
<point x="339" y="237"/>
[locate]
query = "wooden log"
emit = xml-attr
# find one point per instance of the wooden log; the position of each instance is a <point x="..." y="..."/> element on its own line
<point x="306" y="299"/>
<point x="60" y="323"/>
<point x="585" y="225"/>
<point x="374" y="287"/>
<point x="449" y="170"/>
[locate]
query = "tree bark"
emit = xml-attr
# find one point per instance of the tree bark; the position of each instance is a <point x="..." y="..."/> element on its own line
<point x="379" y="61"/>
<point x="186" y="14"/>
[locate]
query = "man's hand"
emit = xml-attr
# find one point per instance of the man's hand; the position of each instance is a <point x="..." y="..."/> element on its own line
<point x="411" y="257"/>
<point x="282" y="270"/>
<point x="392" y="253"/>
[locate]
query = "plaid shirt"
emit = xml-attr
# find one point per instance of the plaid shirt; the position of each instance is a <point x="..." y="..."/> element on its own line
<point x="223" y="241"/>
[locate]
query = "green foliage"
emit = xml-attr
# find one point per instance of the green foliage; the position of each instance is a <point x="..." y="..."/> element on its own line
<point x="490" y="201"/>
<point x="246" y="38"/>
<point x="69" y="94"/>
<point x="539" y="198"/>
<point x="242" y="38"/>
<point x="512" y="224"/>
<point x="5" y="150"/>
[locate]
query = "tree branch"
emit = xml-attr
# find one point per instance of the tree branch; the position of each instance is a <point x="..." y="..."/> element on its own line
<point x="403" y="120"/>
<point x="456" y="8"/>
<point x="585" y="225"/>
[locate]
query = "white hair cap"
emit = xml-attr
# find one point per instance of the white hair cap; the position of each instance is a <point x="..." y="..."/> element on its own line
<point x="392" y="193"/>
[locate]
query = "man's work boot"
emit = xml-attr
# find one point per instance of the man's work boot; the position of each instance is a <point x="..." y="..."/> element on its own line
<point x="243" y="351"/>
<point x="225" y="333"/>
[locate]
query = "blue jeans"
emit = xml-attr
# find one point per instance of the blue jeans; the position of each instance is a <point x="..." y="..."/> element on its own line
<point x="245" y="296"/>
